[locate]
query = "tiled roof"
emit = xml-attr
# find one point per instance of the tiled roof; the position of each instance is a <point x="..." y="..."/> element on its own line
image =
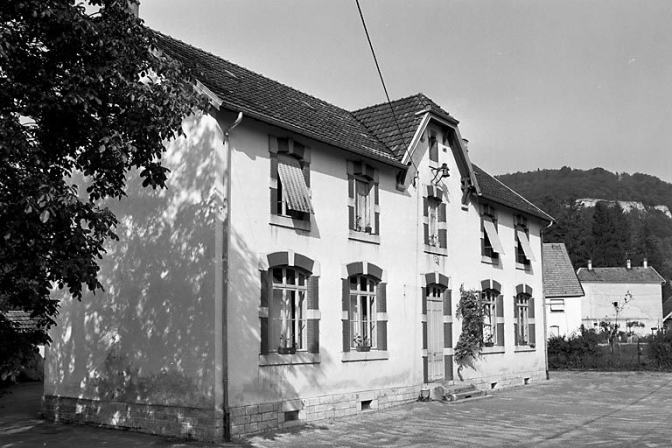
<point x="637" y="274"/>
<point x="380" y="120"/>
<point x="667" y="308"/>
<point x="371" y="131"/>
<point x="494" y="190"/>
<point x="243" y="90"/>
<point x="22" y="319"/>
<point x="559" y="277"/>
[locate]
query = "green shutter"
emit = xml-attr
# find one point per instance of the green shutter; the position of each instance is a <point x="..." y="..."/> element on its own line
<point x="530" y="309"/>
<point x="532" y="334"/>
<point x="381" y="307"/>
<point x="443" y="238"/>
<point x="425" y="207"/>
<point x="376" y="217"/>
<point x="448" y="302"/>
<point x="313" y="325"/>
<point x="423" y="295"/>
<point x="500" y="334"/>
<point x="345" y="307"/>
<point x="426" y="231"/>
<point x="266" y="293"/>
<point x="351" y="217"/>
<point x="447" y="334"/>
<point x="442" y="212"/>
<point x="424" y="335"/>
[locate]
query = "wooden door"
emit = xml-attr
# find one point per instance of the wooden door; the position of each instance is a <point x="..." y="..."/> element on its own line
<point x="435" y="362"/>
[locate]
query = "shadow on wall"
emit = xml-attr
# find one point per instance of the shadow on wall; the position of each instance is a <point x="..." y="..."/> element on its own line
<point x="149" y="338"/>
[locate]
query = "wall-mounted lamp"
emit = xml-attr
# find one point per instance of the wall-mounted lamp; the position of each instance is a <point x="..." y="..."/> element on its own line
<point x="441" y="172"/>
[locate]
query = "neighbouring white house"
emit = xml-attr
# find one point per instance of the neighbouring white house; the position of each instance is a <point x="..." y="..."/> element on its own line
<point x="304" y="263"/>
<point x="562" y="290"/>
<point x="630" y="296"/>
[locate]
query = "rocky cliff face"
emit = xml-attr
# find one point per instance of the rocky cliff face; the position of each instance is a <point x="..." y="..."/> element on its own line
<point x="627" y="206"/>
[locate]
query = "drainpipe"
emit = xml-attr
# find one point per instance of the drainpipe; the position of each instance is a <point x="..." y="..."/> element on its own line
<point x="222" y="244"/>
<point x="548" y="376"/>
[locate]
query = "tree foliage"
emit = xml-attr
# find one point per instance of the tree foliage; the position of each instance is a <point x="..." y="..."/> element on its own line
<point x="470" y="342"/>
<point x="83" y="91"/>
<point x="605" y="233"/>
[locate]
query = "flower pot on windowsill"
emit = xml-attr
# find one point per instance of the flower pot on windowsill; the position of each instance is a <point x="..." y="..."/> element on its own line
<point x="532" y="345"/>
<point x="489" y="344"/>
<point x="286" y="350"/>
<point x="363" y="348"/>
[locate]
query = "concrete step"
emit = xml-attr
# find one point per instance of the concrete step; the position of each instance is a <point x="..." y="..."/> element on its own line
<point x="461" y="393"/>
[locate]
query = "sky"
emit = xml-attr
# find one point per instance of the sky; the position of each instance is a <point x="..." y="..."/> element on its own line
<point x="535" y="84"/>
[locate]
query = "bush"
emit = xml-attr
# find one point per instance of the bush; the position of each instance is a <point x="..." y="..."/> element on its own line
<point x="659" y="350"/>
<point x="578" y="351"/>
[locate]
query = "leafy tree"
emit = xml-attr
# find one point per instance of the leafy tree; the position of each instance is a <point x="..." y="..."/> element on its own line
<point x="83" y="91"/>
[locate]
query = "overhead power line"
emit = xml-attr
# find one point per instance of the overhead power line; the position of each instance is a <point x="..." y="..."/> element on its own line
<point x="380" y="74"/>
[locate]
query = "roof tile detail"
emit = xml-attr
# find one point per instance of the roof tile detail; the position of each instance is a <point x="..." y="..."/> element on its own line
<point x="243" y="90"/>
<point x="637" y="274"/>
<point x="493" y="189"/>
<point x="560" y="280"/>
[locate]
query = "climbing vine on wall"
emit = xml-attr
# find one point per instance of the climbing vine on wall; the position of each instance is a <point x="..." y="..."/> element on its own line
<point x="470" y="342"/>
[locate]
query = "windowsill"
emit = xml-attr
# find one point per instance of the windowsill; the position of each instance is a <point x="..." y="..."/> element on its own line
<point x="373" y="355"/>
<point x="436" y="250"/>
<point x="492" y="350"/>
<point x="522" y="266"/>
<point x="525" y="348"/>
<point x="290" y="223"/>
<point x="364" y="237"/>
<point x="489" y="260"/>
<point x="275" y="359"/>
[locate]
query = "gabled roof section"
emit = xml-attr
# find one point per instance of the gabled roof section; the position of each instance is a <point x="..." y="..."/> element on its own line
<point x="490" y="188"/>
<point x="242" y="90"/>
<point x="560" y="280"/>
<point x="621" y="275"/>
<point x="409" y="112"/>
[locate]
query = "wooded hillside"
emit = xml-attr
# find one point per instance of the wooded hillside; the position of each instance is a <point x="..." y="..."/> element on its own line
<point x="604" y="233"/>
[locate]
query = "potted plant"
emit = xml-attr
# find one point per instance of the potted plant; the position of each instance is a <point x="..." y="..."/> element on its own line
<point x="489" y="342"/>
<point x="362" y="344"/>
<point x="285" y="348"/>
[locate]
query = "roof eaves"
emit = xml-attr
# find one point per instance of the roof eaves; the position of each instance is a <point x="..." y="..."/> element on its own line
<point x="315" y="136"/>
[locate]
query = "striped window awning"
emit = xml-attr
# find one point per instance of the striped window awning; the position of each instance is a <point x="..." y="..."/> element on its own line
<point x="491" y="231"/>
<point x="525" y="243"/>
<point x="294" y="189"/>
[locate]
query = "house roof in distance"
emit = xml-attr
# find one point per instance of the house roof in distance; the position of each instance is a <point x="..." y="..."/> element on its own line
<point x="560" y="280"/>
<point x="370" y="132"/>
<point x="636" y="274"/>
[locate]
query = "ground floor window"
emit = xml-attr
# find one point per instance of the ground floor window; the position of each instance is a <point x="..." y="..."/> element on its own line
<point x="288" y="310"/>
<point x="522" y="319"/>
<point x="363" y="290"/>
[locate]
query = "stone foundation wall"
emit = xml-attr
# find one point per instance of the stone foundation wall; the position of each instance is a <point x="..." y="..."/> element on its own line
<point x="183" y="422"/>
<point x="506" y="381"/>
<point x="285" y="414"/>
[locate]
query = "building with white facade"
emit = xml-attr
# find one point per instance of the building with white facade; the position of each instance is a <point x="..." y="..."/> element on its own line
<point x="304" y="263"/>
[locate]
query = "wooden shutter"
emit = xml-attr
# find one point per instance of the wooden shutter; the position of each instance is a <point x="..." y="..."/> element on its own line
<point x="313" y="325"/>
<point x="351" y="203"/>
<point x="381" y="307"/>
<point x="515" y="320"/>
<point x="274" y="188"/>
<point x="499" y="312"/>
<point x="443" y="238"/>
<point x="448" y="302"/>
<point x="442" y="212"/>
<point x="423" y="292"/>
<point x="448" y="326"/>
<point x="266" y="293"/>
<point x="345" y="307"/>
<point x="532" y="337"/>
<point x="376" y="213"/>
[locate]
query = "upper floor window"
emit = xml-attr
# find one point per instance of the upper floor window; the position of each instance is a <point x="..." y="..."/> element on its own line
<point x="363" y="199"/>
<point x="524" y="254"/>
<point x="434" y="220"/>
<point x="433" y="147"/>
<point x="290" y="180"/>
<point x="491" y="247"/>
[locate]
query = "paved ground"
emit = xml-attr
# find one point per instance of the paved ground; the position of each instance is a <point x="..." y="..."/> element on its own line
<point x="573" y="409"/>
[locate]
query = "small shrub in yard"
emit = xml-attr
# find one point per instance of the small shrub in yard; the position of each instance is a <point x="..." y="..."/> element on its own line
<point x="578" y="351"/>
<point x="659" y="350"/>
